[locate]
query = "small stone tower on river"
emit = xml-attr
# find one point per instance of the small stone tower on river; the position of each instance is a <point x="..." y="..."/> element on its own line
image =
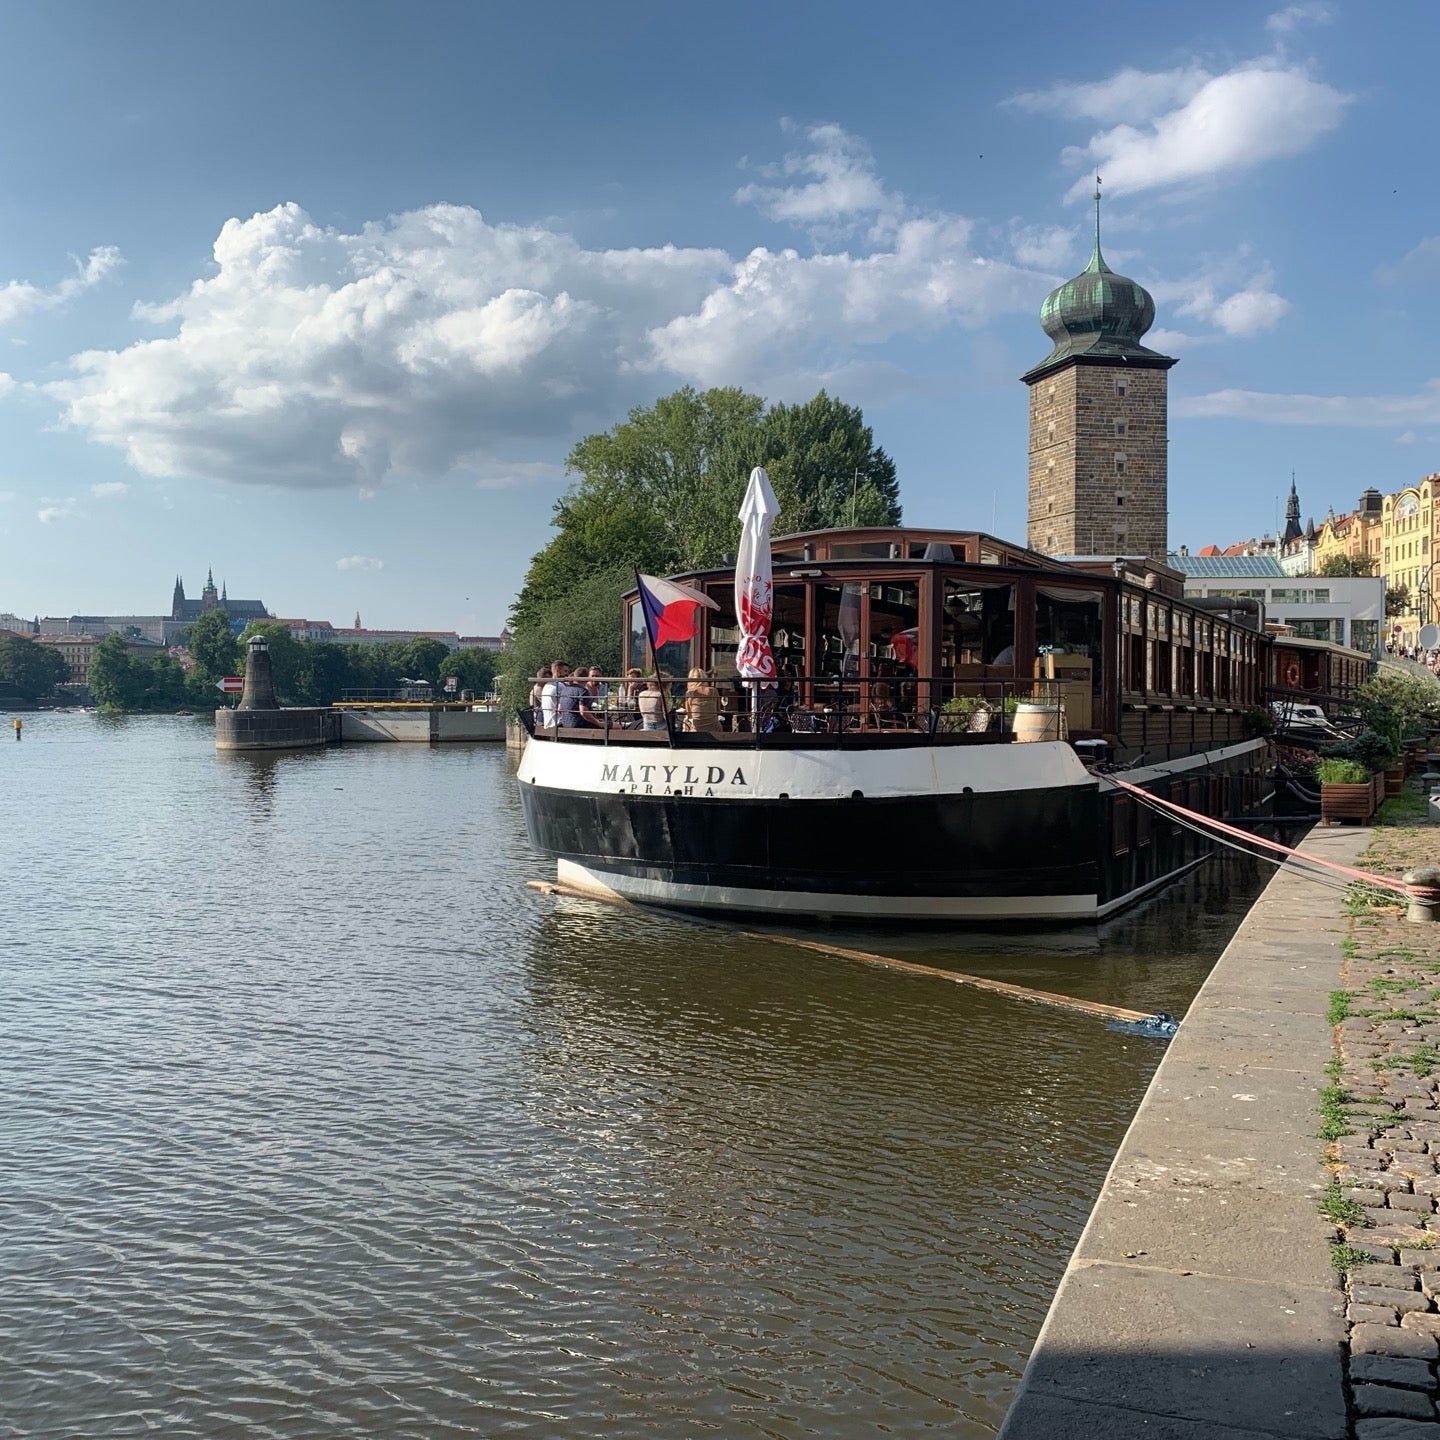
<point x="1098" y="420"/>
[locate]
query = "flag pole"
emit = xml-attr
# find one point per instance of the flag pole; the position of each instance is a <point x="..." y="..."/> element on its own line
<point x="654" y="661"/>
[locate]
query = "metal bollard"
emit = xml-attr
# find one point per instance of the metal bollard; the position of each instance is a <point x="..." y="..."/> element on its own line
<point x="1424" y="883"/>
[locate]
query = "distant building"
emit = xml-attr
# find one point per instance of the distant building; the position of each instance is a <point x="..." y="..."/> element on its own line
<point x="210" y="599"/>
<point x="354" y="635"/>
<point x="77" y="651"/>
<point x="308" y="629"/>
<point x="485" y="642"/>
<point x="18" y="625"/>
<point x="1344" y="611"/>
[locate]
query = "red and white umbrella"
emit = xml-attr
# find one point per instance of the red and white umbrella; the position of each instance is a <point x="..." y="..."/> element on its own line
<point x="754" y="583"/>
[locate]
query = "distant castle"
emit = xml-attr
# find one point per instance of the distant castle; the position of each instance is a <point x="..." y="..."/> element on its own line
<point x="210" y="599"/>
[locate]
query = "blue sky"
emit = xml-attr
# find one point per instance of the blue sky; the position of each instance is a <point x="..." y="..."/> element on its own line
<point x="322" y="295"/>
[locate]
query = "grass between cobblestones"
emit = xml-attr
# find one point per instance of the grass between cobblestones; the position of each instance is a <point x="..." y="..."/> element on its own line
<point x="1380" y="1124"/>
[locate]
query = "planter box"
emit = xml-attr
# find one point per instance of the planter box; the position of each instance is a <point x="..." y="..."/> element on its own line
<point x="1377" y="783"/>
<point x="1347" y="802"/>
<point x="1394" y="781"/>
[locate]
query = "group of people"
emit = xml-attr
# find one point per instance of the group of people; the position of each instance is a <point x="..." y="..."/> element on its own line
<point x="566" y="698"/>
<point x="1418" y="653"/>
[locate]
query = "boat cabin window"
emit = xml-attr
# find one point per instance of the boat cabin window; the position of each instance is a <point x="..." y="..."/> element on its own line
<point x="837" y="621"/>
<point x="977" y="632"/>
<point x="1069" y="635"/>
<point x="894" y="629"/>
<point x="787" y="630"/>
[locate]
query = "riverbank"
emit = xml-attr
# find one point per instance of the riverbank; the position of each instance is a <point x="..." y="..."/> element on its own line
<point x="1202" y="1301"/>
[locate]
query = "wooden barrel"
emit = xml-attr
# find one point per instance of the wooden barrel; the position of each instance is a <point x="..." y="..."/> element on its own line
<point x="1039" y="722"/>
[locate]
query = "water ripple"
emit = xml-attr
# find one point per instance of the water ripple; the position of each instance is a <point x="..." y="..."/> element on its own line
<point x="316" y="1123"/>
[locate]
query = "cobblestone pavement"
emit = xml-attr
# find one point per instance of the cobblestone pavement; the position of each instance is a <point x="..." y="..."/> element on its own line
<point x="1381" y="1115"/>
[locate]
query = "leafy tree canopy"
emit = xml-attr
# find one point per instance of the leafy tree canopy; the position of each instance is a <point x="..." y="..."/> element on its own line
<point x="213" y="645"/>
<point x="1338" y="567"/>
<point x="661" y="492"/>
<point x="33" y="670"/>
<point x="1397" y="600"/>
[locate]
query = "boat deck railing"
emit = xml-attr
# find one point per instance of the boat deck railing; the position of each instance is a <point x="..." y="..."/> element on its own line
<point x="804" y="710"/>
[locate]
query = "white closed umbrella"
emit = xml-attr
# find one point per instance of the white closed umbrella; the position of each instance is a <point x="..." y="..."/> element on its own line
<point x="755" y="586"/>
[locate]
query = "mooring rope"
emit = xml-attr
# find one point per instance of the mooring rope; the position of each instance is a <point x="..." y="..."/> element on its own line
<point x="1384" y="882"/>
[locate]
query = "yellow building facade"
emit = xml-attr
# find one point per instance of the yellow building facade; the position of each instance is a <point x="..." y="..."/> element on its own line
<point x="1410" y="550"/>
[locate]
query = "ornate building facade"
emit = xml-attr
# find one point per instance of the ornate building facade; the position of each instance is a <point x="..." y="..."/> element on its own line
<point x="1098" y="471"/>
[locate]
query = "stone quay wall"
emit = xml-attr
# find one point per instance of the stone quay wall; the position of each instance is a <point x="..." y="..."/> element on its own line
<point x="276" y="729"/>
<point x="1203" y="1299"/>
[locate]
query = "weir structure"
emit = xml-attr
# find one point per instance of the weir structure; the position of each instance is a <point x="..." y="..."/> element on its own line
<point x="260" y="723"/>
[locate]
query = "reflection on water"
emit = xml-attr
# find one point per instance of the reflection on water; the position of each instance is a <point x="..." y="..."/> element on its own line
<point x="318" y="1123"/>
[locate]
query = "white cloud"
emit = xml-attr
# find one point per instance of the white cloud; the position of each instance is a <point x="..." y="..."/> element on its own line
<point x="1304" y="12"/>
<point x="6" y="496"/>
<point x="359" y="562"/>
<point x="1422" y="407"/>
<point x="7" y="382"/>
<point x="1420" y="266"/>
<point x="436" y="342"/>
<point x="1230" y="293"/>
<point x="53" y="509"/>
<point x="839" y="184"/>
<point x="1046" y="247"/>
<point x="1187" y="126"/>
<point x="109" y="489"/>
<point x="20" y="297"/>
<point x="1128" y="94"/>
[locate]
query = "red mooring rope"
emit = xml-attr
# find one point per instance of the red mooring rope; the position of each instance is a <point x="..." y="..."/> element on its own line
<point x="1385" y="882"/>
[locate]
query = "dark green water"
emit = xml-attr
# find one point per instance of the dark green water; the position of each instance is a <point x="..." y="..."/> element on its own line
<point x="316" y="1122"/>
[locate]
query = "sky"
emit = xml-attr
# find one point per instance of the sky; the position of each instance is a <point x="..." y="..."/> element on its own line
<point x="321" y="296"/>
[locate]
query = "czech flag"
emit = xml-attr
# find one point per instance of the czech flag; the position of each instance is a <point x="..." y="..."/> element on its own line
<point x="671" y="611"/>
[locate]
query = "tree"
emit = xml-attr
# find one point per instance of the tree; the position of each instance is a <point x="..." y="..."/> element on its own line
<point x="110" y="675"/>
<point x="33" y="670"/>
<point x="214" y="647"/>
<point x="1340" y="566"/>
<point x="1397" y="600"/>
<point x="423" y="658"/>
<point x="474" y="670"/>
<point x="661" y="492"/>
<point x="1396" y="704"/>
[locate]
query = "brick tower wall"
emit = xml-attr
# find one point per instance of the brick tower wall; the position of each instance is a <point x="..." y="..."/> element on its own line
<point x="1098" y="476"/>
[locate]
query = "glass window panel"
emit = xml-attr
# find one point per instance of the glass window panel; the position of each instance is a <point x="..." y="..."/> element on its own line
<point x="977" y="628"/>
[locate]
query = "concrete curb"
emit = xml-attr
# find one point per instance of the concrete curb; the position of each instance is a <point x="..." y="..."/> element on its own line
<point x="1200" y="1301"/>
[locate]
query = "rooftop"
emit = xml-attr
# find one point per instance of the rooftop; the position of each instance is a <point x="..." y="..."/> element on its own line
<point x="1228" y="567"/>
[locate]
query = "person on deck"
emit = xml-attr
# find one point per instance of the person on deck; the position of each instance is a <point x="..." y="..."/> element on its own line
<point x="652" y="706"/>
<point x="702" y="704"/>
<point x="537" y="697"/>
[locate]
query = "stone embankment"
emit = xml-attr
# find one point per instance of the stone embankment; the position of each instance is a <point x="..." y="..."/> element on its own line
<point x="1264" y="1257"/>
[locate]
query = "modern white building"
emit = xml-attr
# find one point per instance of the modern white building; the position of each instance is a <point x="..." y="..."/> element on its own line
<point x="1345" y="611"/>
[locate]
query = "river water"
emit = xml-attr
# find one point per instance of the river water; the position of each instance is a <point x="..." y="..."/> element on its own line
<point x="315" y="1122"/>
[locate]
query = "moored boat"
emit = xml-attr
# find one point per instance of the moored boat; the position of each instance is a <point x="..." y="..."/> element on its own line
<point x="935" y="744"/>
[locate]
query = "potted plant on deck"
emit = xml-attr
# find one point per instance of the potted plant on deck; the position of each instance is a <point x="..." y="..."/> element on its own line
<point x="1347" y="791"/>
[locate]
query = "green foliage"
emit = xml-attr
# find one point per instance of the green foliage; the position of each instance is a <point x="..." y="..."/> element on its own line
<point x="474" y="670"/>
<point x="1409" y="807"/>
<point x="1349" y="1257"/>
<point x="1397" y="600"/>
<point x="583" y="630"/>
<point x="215" y="650"/>
<point x="1339" y="1006"/>
<point x="34" y="670"/>
<point x="1334" y="1121"/>
<point x="1342" y="772"/>
<point x="1335" y="1206"/>
<point x="1340" y="566"/>
<point x="1369" y="748"/>
<point x="120" y="681"/>
<point x="661" y="492"/>
<point x="289" y="660"/>
<point x="1397" y="703"/>
<point x="1260" y="721"/>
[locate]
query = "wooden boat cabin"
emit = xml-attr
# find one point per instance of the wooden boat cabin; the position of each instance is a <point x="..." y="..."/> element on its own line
<point x="909" y="632"/>
<point x="1315" y="671"/>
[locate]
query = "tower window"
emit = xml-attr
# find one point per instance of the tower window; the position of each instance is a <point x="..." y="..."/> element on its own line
<point x="1119" y="499"/>
<point x="1119" y="427"/>
<point x="1120" y="385"/>
<point x="1050" y="431"/>
<point x="1119" y="462"/>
